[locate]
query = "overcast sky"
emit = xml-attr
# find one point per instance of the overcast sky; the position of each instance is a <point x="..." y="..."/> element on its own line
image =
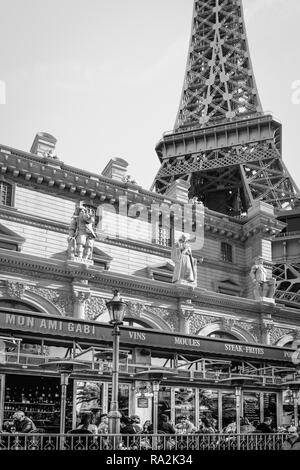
<point x="105" y="77"/>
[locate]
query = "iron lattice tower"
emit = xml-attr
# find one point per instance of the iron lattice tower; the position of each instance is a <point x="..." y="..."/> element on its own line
<point x="222" y="143"/>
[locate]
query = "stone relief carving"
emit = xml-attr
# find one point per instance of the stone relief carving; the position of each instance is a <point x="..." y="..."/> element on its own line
<point x="63" y="301"/>
<point x="252" y="328"/>
<point x="198" y="322"/>
<point x="277" y="333"/>
<point x="134" y="309"/>
<point x="94" y="308"/>
<point x="228" y="323"/>
<point x="169" y="316"/>
<point x="15" y="289"/>
<point x="81" y="297"/>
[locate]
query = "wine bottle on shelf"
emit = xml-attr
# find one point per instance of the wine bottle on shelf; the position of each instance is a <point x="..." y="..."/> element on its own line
<point x="43" y="394"/>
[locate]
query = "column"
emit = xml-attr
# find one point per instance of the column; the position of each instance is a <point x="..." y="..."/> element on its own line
<point x="185" y="313"/>
<point x="266" y="329"/>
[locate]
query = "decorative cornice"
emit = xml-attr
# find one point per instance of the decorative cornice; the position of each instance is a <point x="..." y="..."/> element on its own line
<point x="37" y="268"/>
<point x="13" y="215"/>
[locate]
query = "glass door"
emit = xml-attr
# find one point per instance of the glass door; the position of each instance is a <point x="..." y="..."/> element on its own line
<point x="123" y="398"/>
<point x="208" y="409"/>
<point x="251" y="410"/>
<point x="270" y="407"/>
<point x="88" y="397"/>
<point x="228" y="411"/>
<point x="185" y="408"/>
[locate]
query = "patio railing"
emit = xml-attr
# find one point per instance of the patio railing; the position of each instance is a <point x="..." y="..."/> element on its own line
<point x="160" y="442"/>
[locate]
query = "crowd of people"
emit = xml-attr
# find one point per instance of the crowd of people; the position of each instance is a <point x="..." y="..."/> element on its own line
<point x="98" y="424"/>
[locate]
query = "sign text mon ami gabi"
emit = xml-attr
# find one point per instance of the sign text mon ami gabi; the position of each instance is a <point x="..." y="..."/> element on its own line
<point x="76" y="329"/>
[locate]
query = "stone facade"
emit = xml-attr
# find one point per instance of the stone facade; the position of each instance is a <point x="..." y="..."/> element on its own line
<point x="38" y="272"/>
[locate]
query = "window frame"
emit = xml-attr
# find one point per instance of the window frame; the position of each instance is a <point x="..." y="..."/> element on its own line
<point x="225" y="253"/>
<point x="12" y="195"/>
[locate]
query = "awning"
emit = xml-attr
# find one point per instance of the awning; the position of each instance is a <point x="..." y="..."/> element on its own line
<point x="18" y="321"/>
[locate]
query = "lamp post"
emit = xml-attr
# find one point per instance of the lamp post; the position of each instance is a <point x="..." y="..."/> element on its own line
<point x="116" y="309"/>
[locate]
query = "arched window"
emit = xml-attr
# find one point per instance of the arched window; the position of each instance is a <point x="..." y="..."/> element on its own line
<point x="5" y="194"/>
<point x="5" y="303"/>
<point x="223" y="335"/>
<point x="136" y="323"/>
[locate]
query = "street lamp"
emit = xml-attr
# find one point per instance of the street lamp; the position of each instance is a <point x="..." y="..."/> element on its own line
<point x="116" y="309"/>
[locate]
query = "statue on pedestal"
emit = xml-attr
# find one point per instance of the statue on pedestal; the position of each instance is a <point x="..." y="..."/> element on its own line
<point x="81" y="234"/>
<point x="185" y="269"/>
<point x="263" y="284"/>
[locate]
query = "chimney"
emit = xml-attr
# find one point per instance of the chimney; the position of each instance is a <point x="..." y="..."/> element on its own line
<point x="43" y="144"/>
<point x="115" y="169"/>
<point x="179" y="190"/>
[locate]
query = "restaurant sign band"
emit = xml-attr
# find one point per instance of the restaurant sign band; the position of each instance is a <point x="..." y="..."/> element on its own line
<point x="96" y="333"/>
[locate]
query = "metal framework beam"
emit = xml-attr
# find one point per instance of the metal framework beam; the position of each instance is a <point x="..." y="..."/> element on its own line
<point x="222" y="143"/>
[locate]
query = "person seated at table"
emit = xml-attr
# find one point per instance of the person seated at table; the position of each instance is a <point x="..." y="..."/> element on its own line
<point x="164" y="426"/>
<point x="246" y="426"/>
<point x="188" y="426"/>
<point x="265" y="427"/>
<point x="293" y="440"/>
<point x="103" y="426"/>
<point x="147" y="427"/>
<point x="86" y="424"/>
<point x="136" y="422"/>
<point x="206" y="427"/>
<point x="22" y="423"/>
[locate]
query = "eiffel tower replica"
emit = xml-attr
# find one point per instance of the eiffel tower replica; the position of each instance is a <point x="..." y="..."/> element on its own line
<point x="223" y="144"/>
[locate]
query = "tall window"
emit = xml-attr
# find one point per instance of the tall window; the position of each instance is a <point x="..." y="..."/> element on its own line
<point x="5" y="194"/>
<point x="226" y="252"/>
<point x="163" y="236"/>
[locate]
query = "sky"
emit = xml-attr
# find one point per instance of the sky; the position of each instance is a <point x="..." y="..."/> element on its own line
<point x="105" y="77"/>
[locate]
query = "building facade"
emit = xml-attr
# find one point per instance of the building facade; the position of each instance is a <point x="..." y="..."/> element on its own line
<point x="57" y="275"/>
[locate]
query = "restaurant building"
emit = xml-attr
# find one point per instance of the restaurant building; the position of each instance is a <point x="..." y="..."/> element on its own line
<point x="205" y="334"/>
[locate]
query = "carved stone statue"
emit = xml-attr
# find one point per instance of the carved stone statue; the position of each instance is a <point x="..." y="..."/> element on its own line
<point x="185" y="270"/>
<point x="81" y="234"/>
<point x="263" y="284"/>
